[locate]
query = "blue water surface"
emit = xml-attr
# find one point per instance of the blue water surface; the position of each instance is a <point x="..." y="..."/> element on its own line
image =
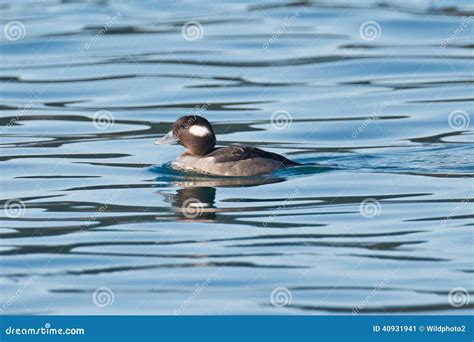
<point x="374" y="96"/>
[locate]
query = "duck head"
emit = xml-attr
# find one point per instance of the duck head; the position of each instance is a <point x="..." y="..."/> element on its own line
<point x="193" y="132"/>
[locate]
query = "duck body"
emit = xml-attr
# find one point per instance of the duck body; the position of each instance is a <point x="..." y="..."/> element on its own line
<point x="233" y="161"/>
<point x="196" y="134"/>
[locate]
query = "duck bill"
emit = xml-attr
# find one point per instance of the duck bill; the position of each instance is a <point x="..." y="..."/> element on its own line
<point x="168" y="139"/>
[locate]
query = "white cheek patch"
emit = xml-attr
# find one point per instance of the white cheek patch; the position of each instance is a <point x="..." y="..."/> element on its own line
<point x="199" y="131"/>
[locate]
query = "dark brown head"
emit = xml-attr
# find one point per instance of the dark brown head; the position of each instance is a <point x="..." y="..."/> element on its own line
<point x="194" y="133"/>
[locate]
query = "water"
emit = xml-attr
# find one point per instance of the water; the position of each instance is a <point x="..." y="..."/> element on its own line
<point x="96" y="222"/>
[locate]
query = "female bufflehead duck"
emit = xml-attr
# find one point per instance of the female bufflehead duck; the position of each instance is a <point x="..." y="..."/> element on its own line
<point x="196" y="134"/>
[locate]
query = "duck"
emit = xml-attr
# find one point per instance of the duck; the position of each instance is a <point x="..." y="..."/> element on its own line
<point x="196" y="135"/>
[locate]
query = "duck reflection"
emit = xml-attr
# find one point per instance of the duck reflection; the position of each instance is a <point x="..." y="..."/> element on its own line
<point x="195" y="199"/>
